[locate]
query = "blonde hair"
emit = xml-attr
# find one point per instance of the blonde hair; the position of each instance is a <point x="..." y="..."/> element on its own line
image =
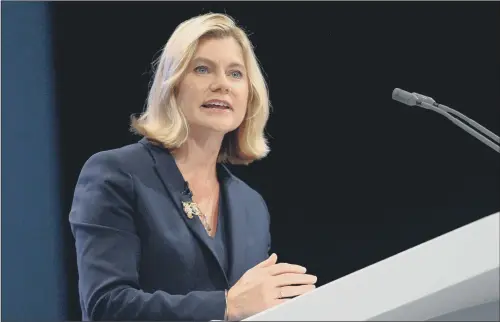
<point x="163" y="121"/>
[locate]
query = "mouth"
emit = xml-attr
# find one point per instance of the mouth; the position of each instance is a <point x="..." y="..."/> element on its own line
<point x="217" y="105"/>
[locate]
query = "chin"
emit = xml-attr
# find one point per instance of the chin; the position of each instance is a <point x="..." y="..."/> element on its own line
<point x="221" y="125"/>
<point x="214" y="127"/>
<point x="222" y="128"/>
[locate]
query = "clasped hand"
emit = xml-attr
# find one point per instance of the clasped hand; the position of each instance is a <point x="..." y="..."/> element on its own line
<point x="266" y="285"/>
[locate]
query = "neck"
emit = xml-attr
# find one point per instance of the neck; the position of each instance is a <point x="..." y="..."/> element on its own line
<point x="197" y="157"/>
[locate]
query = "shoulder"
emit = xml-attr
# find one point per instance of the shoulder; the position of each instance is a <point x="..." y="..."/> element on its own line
<point x="250" y="195"/>
<point x="113" y="169"/>
<point x="248" y="191"/>
<point x="122" y="159"/>
<point x="104" y="193"/>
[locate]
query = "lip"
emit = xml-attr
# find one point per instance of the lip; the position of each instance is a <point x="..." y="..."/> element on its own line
<point x="219" y="101"/>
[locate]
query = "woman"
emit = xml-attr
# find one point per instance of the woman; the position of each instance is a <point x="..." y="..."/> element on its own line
<point x="163" y="230"/>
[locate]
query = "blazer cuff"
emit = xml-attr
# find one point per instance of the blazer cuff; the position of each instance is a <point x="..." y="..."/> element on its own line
<point x="217" y="304"/>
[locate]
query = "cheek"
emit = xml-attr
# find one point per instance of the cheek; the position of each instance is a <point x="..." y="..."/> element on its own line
<point x="242" y="97"/>
<point x="190" y="94"/>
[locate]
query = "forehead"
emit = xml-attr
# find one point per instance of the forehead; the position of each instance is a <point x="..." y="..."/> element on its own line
<point x="220" y="50"/>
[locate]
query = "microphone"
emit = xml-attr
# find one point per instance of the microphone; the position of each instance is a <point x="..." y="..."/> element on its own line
<point x="187" y="191"/>
<point x="415" y="99"/>
<point x="410" y="98"/>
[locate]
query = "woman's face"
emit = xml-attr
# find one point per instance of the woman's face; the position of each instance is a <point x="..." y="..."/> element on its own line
<point x="213" y="94"/>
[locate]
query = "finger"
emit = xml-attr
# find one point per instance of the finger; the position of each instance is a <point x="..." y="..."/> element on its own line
<point x="294" y="279"/>
<point x="292" y="291"/>
<point x="271" y="260"/>
<point x="279" y="301"/>
<point x="283" y="268"/>
<point x="276" y="302"/>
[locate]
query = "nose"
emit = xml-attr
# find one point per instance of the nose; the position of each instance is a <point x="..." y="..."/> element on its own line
<point x="220" y="83"/>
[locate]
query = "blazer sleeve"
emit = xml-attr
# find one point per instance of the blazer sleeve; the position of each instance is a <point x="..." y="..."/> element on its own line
<point x="108" y="253"/>
<point x="268" y="234"/>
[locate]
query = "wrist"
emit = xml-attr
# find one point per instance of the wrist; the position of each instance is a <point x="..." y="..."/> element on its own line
<point x="226" y="316"/>
<point x="230" y="310"/>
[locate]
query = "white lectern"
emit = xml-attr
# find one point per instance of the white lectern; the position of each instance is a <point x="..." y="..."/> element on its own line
<point x="454" y="277"/>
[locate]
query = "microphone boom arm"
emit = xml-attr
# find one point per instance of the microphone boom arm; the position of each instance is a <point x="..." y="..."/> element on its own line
<point x="478" y="126"/>
<point x="464" y="126"/>
<point x="420" y="100"/>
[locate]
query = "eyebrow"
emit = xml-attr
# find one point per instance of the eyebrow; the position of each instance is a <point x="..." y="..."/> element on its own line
<point x="211" y="62"/>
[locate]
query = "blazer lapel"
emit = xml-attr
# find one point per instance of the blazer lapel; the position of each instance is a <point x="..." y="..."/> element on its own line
<point x="237" y="230"/>
<point x="176" y="186"/>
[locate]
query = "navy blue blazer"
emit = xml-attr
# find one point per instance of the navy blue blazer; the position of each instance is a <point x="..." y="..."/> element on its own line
<point x="139" y="256"/>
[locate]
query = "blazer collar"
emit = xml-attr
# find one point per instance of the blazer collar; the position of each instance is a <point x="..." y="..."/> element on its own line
<point x="163" y="159"/>
<point x="176" y="186"/>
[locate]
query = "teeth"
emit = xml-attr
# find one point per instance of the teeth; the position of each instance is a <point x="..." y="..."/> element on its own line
<point x="218" y="104"/>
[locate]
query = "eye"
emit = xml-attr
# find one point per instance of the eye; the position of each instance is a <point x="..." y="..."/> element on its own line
<point x="236" y="74"/>
<point x="201" y="69"/>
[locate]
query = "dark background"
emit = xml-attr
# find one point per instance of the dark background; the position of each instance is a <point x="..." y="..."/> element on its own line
<point x="353" y="177"/>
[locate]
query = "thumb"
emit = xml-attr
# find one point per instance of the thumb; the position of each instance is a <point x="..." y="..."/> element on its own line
<point x="271" y="260"/>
